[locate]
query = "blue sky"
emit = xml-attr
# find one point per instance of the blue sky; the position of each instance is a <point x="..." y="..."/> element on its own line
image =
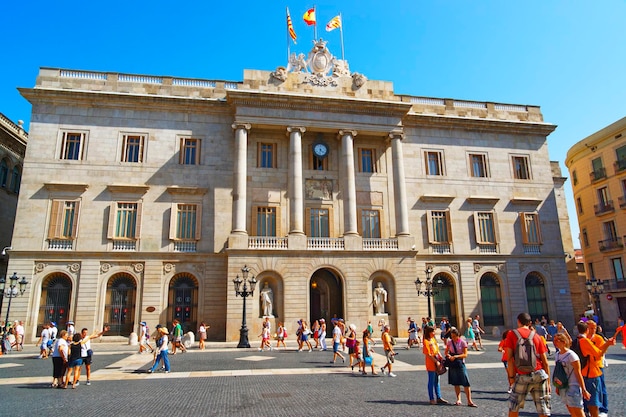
<point x="566" y="56"/>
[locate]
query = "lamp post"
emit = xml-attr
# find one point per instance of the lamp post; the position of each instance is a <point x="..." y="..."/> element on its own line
<point x="244" y="293"/>
<point x="10" y="293"/>
<point x="431" y="288"/>
<point x="595" y="287"/>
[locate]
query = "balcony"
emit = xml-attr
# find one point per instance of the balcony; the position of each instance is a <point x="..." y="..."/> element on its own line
<point x="267" y="242"/>
<point x="125" y="245"/>
<point x="60" y="244"/>
<point x="604" y="208"/>
<point x="325" y="243"/>
<point x="598" y="174"/>
<point x="380" y="244"/>
<point x="441" y="248"/>
<point x="612" y="244"/>
<point x="185" y="246"/>
<point x="532" y="249"/>
<point x="619" y="165"/>
<point x="487" y="248"/>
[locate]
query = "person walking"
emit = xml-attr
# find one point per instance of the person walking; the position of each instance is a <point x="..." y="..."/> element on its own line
<point x="575" y="392"/>
<point x="202" y="334"/>
<point x="60" y="356"/>
<point x="337" y="336"/>
<point x="368" y="359"/>
<point x="265" y="339"/>
<point x="162" y="352"/>
<point x="144" y="338"/>
<point x="44" y="338"/>
<point x="413" y="334"/>
<point x="593" y="333"/>
<point x="316" y="333"/>
<point x="351" y="343"/>
<point x="536" y="382"/>
<point x="478" y="331"/>
<point x="306" y="332"/>
<point x="281" y="334"/>
<point x="456" y="352"/>
<point x="433" y="360"/>
<point x="504" y="358"/>
<point x="389" y="352"/>
<point x="322" y="335"/>
<point x="177" y="335"/>
<point x="469" y="335"/>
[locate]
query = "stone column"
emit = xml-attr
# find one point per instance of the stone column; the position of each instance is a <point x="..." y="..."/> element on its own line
<point x="240" y="173"/>
<point x="349" y="182"/>
<point x="399" y="184"/>
<point x="296" y="191"/>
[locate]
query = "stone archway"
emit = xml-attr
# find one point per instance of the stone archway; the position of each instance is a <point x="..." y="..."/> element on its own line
<point x="326" y="296"/>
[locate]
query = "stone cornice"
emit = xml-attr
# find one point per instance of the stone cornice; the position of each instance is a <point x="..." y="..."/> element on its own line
<point x="66" y="186"/>
<point x="491" y="125"/>
<point x="127" y="189"/>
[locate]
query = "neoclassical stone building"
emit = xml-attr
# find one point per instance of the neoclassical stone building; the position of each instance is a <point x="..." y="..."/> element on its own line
<point x="143" y="197"/>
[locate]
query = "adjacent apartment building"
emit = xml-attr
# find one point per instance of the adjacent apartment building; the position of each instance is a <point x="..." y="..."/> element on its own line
<point x="144" y="196"/>
<point x="597" y="166"/>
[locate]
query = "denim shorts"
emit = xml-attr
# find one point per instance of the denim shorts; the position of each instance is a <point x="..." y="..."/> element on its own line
<point x="593" y="386"/>
<point x="74" y="363"/>
<point x="572" y="396"/>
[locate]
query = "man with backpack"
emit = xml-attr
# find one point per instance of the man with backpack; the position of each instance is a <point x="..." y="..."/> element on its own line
<point x="590" y="359"/>
<point x="528" y="368"/>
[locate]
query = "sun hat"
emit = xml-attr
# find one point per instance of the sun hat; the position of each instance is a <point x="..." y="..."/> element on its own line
<point x="143" y="323"/>
<point x="353" y="327"/>
<point x="70" y="322"/>
<point x="163" y="330"/>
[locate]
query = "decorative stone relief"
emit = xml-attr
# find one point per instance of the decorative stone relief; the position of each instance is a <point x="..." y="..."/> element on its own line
<point x="75" y="267"/>
<point x="138" y="267"/>
<point x="545" y="267"/>
<point x="169" y="267"/>
<point x="105" y="267"/>
<point x="297" y="63"/>
<point x="358" y="80"/>
<point x="199" y="268"/>
<point x="453" y="269"/>
<point x="39" y="267"/>
<point x="280" y="74"/>
<point x="497" y="267"/>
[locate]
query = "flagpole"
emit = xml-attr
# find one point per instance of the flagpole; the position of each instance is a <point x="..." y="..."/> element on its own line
<point x="315" y="23"/>
<point x="341" y="35"/>
<point x="288" y="36"/>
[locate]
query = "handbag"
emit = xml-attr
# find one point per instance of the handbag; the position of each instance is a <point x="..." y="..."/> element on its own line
<point x="441" y="369"/>
<point x="449" y="363"/>
<point x="350" y="343"/>
<point x="368" y="360"/>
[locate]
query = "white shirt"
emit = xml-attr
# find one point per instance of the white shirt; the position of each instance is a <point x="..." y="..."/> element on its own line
<point x="337" y="334"/>
<point x="566" y="359"/>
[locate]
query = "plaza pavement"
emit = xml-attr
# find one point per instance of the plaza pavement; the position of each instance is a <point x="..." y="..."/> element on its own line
<point x="225" y="381"/>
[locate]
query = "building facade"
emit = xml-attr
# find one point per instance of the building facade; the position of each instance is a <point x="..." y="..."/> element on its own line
<point x="144" y="197"/>
<point x="597" y="166"/>
<point x="13" y="140"/>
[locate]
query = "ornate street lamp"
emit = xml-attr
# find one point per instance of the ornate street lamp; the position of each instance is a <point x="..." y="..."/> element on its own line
<point x="595" y="287"/>
<point x="431" y="288"/>
<point x="244" y="293"/>
<point x="11" y="292"/>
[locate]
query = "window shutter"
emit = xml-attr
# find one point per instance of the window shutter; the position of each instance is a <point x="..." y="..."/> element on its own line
<point x="522" y="221"/>
<point x="477" y="233"/>
<point x="449" y="226"/>
<point x="429" y="226"/>
<point x="112" y="215"/>
<point x="198" y="221"/>
<point x="254" y="230"/>
<point x="181" y="152"/>
<point x="496" y="228"/>
<point x="279" y="222"/>
<point x="307" y="222"/>
<point x="331" y="223"/>
<point x="539" y="236"/>
<point x="138" y="224"/>
<point x="359" y="221"/>
<point x="55" y="217"/>
<point x="75" y="219"/>
<point x="173" y="220"/>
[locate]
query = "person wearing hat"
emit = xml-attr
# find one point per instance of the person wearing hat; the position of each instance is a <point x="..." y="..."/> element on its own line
<point x="322" y="336"/>
<point x="70" y="329"/>
<point x="144" y="338"/>
<point x="414" y="330"/>
<point x="161" y="354"/>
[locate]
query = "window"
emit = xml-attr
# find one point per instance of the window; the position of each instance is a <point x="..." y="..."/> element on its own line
<point x="620" y="154"/>
<point x="579" y="204"/>
<point x="266" y="155"/>
<point x="610" y="231"/>
<point x="491" y="300"/>
<point x="189" y="151"/>
<point x="603" y="197"/>
<point x="367" y="160"/>
<point x="521" y="168"/>
<point x="531" y="232"/>
<point x="185" y="222"/>
<point x="319" y="164"/>
<point x="319" y="222"/>
<point x="125" y="221"/>
<point x="618" y="270"/>
<point x="478" y="165"/>
<point x="439" y="227"/>
<point x="434" y="163"/>
<point x="73" y="145"/>
<point x="485" y="227"/>
<point x="133" y="147"/>
<point x="15" y="179"/>
<point x="63" y="219"/>
<point x="585" y="238"/>
<point x="266" y="221"/>
<point x="575" y="177"/>
<point x="536" y="296"/>
<point x="4" y="173"/>
<point x="445" y="300"/>
<point x="370" y="224"/>
<point x="598" y="170"/>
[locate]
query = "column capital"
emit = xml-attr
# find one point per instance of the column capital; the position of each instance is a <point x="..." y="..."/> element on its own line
<point x="396" y="134"/>
<point x="344" y="132"/>
<point x="300" y="129"/>
<point x="241" y="125"/>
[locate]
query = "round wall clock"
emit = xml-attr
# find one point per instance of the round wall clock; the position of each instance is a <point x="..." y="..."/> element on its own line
<point x="320" y="150"/>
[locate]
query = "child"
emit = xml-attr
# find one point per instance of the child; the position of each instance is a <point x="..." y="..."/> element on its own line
<point x="505" y="359"/>
<point x="469" y="335"/>
<point x="265" y="339"/>
<point x="358" y="357"/>
<point x="280" y="335"/>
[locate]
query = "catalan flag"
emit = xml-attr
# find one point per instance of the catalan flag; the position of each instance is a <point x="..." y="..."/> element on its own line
<point x="292" y="32"/>
<point x="334" y="23"/>
<point x="309" y="17"/>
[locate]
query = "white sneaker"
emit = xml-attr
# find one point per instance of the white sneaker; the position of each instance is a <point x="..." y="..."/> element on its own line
<point x="603" y="415"/>
<point x="391" y="374"/>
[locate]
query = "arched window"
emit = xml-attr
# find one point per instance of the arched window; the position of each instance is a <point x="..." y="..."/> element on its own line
<point x="183" y="302"/>
<point x="4" y="173"/>
<point x="445" y="301"/>
<point x="119" y="310"/>
<point x="15" y="179"/>
<point x="56" y="292"/>
<point x="536" y="296"/>
<point x="491" y="300"/>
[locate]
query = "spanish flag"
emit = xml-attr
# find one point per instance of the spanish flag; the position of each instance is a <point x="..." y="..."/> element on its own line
<point x="309" y="17"/>
<point x="334" y="23"/>
<point x="292" y="32"/>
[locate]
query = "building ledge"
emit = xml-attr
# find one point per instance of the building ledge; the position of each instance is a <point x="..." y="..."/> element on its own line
<point x="66" y="186"/>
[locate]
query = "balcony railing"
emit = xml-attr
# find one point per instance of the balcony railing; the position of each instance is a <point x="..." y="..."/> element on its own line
<point x="60" y="244"/>
<point x="267" y="242"/>
<point x="598" y="174"/>
<point x="612" y="244"/>
<point x="532" y="249"/>
<point x="380" y="244"/>
<point x="619" y="165"/>
<point x="603" y="208"/>
<point x="326" y="243"/>
<point x="622" y="202"/>
<point x="441" y="248"/>
<point x="487" y="248"/>
<point x="125" y="245"/>
<point x="185" y="246"/>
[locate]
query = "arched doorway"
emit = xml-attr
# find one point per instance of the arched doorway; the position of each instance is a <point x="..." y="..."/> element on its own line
<point x="56" y="293"/>
<point x="183" y="302"/>
<point x="536" y="296"/>
<point x="491" y="300"/>
<point x="326" y="296"/>
<point x="445" y="300"/>
<point x="119" y="310"/>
